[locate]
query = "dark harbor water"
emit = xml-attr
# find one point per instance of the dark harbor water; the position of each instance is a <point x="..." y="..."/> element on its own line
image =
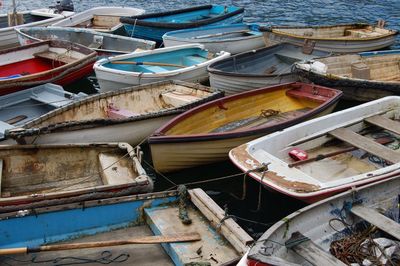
<point x="245" y="201"/>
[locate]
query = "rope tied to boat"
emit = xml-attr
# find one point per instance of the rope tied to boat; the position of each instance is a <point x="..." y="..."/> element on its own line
<point x="183" y="198"/>
<point x="268" y="112"/>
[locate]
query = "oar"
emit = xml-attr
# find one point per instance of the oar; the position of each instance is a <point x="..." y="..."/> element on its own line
<point x="187" y="237"/>
<point x="145" y="63"/>
<point x="220" y="34"/>
<point x="319" y="157"/>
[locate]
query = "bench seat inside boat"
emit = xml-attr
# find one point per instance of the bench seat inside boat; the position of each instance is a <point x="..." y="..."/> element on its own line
<point x="178" y="99"/>
<point x="113" y="172"/>
<point x="54" y="56"/>
<point x="305" y="95"/>
<point x="193" y="60"/>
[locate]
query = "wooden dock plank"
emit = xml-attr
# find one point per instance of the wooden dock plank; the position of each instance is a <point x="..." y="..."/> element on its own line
<point x="312" y="252"/>
<point x="379" y="220"/>
<point x="366" y="144"/>
<point x="385" y="123"/>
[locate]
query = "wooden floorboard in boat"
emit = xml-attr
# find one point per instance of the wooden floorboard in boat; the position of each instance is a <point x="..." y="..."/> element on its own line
<point x="146" y="255"/>
<point x="384" y="122"/>
<point x="256" y="121"/>
<point x="366" y="144"/>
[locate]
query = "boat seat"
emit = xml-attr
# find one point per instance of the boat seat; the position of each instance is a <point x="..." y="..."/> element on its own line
<point x="177" y="99"/>
<point x="193" y="60"/>
<point x="153" y="69"/>
<point x="287" y="58"/>
<point x="55" y="56"/>
<point x="305" y="95"/>
<point x="50" y="99"/>
<point x="1" y="173"/>
<point x="384" y="122"/>
<point x="113" y="171"/>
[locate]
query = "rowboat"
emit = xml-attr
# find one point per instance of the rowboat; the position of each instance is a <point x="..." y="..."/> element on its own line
<point x="153" y="26"/>
<point x="20" y="107"/>
<point x="41" y="175"/>
<point x="185" y="62"/>
<point x="345" y="38"/>
<point x="126" y="115"/>
<point x="206" y="133"/>
<point x="58" y="62"/>
<point x="102" y="18"/>
<point x="339" y="151"/>
<point x="308" y="235"/>
<point x="103" y="43"/>
<point x="235" y="38"/>
<point x="258" y="68"/>
<point x="31" y="18"/>
<point x="177" y="227"/>
<point x="362" y="77"/>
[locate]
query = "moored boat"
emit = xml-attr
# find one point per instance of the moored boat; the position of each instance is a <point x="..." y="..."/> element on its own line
<point x="342" y="38"/>
<point x="362" y="77"/>
<point x="42" y="175"/>
<point x="177" y="227"/>
<point x="103" y="43"/>
<point x="20" y="107"/>
<point x="58" y="62"/>
<point x="126" y="115"/>
<point x="335" y="226"/>
<point x="102" y="18"/>
<point x="154" y="26"/>
<point x="206" y="133"/>
<point x="185" y="62"/>
<point x="31" y="18"/>
<point x="259" y="68"/>
<point x="339" y="151"/>
<point x="234" y="38"/>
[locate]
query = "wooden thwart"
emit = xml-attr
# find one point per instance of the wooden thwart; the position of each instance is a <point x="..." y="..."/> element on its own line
<point x="146" y="63"/>
<point x="385" y="123"/>
<point x="365" y="144"/>
<point x="55" y="56"/>
<point x="379" y="220"/>
<point x="310" y="251"/>
<point x="187" y="237"/>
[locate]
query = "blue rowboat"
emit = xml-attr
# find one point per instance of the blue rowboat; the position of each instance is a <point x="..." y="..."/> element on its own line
<point x="185" y="62"/>
<point x="234" y="38"/>
<point x="154" y="26"/>
<point x="20" y="107"/>
<point x="129" y="218"/>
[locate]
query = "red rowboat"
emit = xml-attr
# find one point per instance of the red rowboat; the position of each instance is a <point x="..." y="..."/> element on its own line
<point x="59" y="62"/>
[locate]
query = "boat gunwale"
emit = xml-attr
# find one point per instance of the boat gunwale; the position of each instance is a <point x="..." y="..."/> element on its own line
<point x="211" y="68"/>
<point x="29" y="128"/>
<point x="137" y="20"/>
<point x="275" y="30"/>
<point x="159" y="137"/>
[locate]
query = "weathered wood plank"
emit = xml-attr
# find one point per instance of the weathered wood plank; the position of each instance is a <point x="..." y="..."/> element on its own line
<point x="385" y="123"/>
<point x="366" y="144"/>
<point x="379" y="220"/>
<point x="55" y="56"/>
<point x="1" y="173"/>
<point x="311" y="252"/>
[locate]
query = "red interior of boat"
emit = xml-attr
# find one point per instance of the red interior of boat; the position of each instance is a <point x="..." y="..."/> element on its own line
<point x="27" y="67"/>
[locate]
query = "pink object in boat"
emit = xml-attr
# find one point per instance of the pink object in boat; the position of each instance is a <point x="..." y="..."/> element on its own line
<point x="114" y="112"/>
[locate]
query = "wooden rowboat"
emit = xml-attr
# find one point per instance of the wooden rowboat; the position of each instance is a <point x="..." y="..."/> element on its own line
<point x="206" y="133"/>
<point x="127" y="115"/>
<point x="102" y="18"/>
<point x="177" y="227"/>
<point x="362" y="77"/>
<point x="20" y="107"/>
<point x="346" y="38"/>
<point x="41" y="175"/>
<point x="58" y="62"/>
<point x="154" y="26"/>
<point x="185" y="62"/>
<point x="31" y="18"/>
<point x="103" y="43"/>
<point x="258" y="68"/>
<point x="234" y="38"/>
<point x="345" y="149"/>
<point x="310" y="234"/>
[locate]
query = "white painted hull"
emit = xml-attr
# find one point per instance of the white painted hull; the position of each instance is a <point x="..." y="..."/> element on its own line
<point x="336" y="46"/>
<point x="132" y="132"/>
<point x="111" y="11"/>
<point x="237" y="84"/>
<point x="112" y="79"/>
<point x="8" y="37"/>
<point x="230" y="46"/>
